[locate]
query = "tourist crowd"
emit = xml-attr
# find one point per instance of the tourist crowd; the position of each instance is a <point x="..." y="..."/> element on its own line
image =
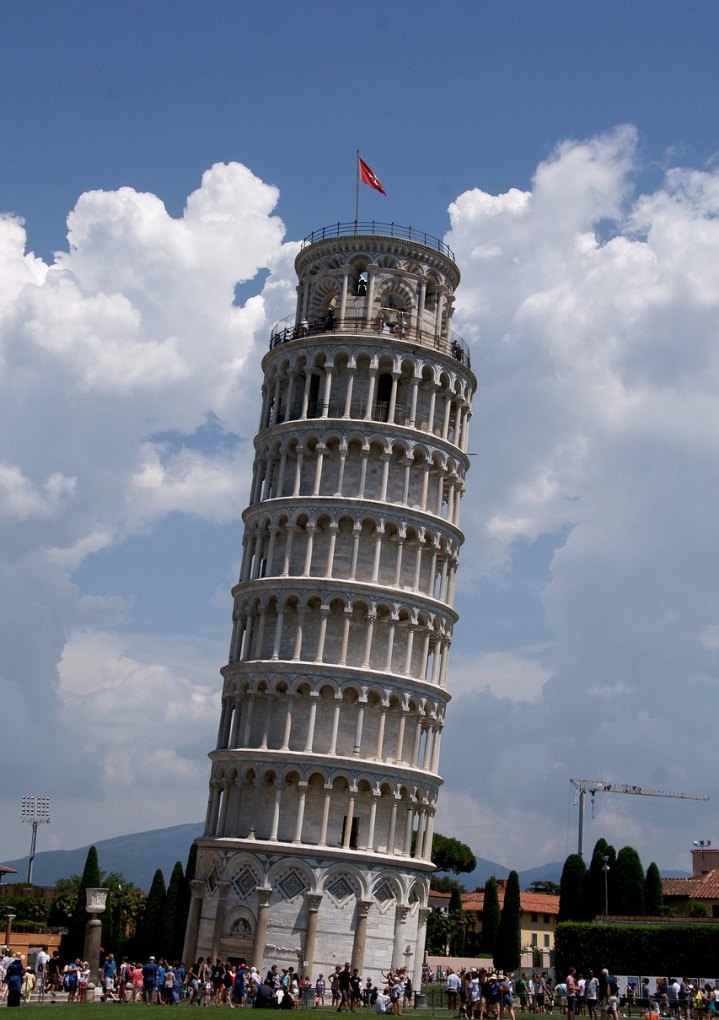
<point x="204" y="983"/>
<point x="472" y="994"/>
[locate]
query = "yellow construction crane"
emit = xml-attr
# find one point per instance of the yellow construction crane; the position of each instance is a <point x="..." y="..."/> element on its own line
<point x="592" y="786"/>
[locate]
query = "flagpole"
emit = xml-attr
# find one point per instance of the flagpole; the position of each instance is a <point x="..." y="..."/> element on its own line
<point x="357" y="184"/>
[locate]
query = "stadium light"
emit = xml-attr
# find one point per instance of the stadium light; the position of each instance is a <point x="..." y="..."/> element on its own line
<point x="35" y="810"/>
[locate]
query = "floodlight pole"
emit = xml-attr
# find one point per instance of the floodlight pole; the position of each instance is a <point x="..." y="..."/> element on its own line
<point x="34" y="809"/>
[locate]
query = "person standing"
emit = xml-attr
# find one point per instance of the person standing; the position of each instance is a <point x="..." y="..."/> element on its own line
<point x="13" y="980"/>
<point x="109" y="969"/>
<point x="41" y="961"/>
<point x="571" y="984"/>
<point x="591" y="994"/>
<point x="149" y="981"/>
<point x="53" y="973"/>
<point x="28" y="984"/>
<point x="320" y="987"/>
<point x="344" y="980"/>
<point x="453" y="986"/>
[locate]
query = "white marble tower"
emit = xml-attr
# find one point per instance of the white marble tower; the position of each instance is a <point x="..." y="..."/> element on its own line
<point x="324" y="781"/>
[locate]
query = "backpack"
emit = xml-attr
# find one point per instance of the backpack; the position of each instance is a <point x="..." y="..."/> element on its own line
<point x="169" y="979"/>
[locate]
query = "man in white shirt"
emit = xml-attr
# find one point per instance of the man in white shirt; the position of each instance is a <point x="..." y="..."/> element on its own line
<point x="382" y="1003"/>
<point x="41" y="961"/>
<point x="453" y="986"/>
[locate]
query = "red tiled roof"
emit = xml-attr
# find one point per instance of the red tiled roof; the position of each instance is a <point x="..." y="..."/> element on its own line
<point x="703" y="887"/>
<point x="540" y="903"/>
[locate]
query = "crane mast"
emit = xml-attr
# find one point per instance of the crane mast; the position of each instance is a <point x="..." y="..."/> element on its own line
<point x="592" y="786"/>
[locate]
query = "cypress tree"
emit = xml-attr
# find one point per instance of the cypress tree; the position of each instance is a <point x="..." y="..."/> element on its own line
<point x="653" y="892"/>
<point x="149" y="925"/>
<point x="73" y="944"/>
<point x="490" y="917"/>
<point x="628" y="885"/>
<point x="596" y="878"/>
<point x="572" y="890"/>
<point x="168" y="940"/>
<point x="508" y="949"/>
<point x="183" y="908"/>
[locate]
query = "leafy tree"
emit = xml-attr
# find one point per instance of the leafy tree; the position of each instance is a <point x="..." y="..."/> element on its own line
<point x="508" y="948"/>
<point x="73" y="943"/>
<point x="458" y="924"/>
<point x="544" y="886"/>
<point x="170" y="933"/>
<point x="697" y="909"/>
<point x="443" y="883"/>
<point x="653" y="892"/>
<point x="124" y="902"/>
<point x="572" y="890"/>
<point x="596" y="879"/>
<point x="62" y="906"/>
<point x="149" y="924"/>
<point x="27" y="909"/>
<point x="490" y="916"/>
<point x="450" y="854"/>
<point x="439" y="926"/>
<point x="628" y="885"/>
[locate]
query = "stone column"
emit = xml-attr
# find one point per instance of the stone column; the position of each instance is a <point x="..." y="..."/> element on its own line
<point x="189" y="949"/>
<point x="313" y="906"/>
<point x="314" y="697"/>
<point x="302" y="792"/>
<point x="422" y="915"/>
<point x="358" y="945"/>
<point x="263" y="910"/>
<point x="222" y="888"/>
<point x="400" y="935"/>
<point x="343" y="297"/>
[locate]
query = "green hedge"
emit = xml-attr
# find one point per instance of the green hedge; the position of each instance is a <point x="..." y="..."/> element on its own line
<point x="637" y="949"/>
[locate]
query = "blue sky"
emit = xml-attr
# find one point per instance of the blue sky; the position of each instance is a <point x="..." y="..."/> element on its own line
<point x="575" y="145"/>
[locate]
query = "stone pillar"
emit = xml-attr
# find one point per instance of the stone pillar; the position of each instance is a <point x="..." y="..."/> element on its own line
<point x="313" y="906"/>
<point x="189" y="949"/>
<point x="302" y="793"/>
<point x="343" y="297"/>
<point x="91" y="947"/>
<point x="422" y="915"/>
<point x="400" y="935"/>
<point x="223" y="888"/>
<point x="263" y="912"/>
<point x="358" y="945"/>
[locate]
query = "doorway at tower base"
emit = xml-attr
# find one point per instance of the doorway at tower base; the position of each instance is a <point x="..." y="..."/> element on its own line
<point x="307" y="912"/>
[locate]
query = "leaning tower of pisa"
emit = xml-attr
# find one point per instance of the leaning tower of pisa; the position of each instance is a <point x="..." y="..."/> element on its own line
<point x="324" y="780"/>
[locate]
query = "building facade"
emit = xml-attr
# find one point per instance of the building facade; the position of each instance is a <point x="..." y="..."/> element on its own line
<point x="538" y="918"/>
<point x="324" y="781"/>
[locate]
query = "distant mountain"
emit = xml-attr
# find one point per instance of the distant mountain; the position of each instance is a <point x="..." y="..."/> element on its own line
<point x="136" y="856"/>
<point x="551" y="872"/>
<point x="485" y="869"/>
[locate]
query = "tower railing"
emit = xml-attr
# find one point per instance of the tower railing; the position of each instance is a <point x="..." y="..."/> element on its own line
<point x="288" y="329"/>
<point x="374" y="228"/>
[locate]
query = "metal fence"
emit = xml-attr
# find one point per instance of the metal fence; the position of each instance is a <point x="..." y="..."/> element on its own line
<point x="375" y="228"/>
<point x="287" y="330"/>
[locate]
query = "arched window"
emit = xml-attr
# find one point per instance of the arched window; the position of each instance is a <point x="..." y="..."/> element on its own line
<point x="384" y="393"/>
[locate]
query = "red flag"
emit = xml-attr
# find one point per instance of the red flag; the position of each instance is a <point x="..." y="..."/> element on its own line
<point x="368" y="176"/>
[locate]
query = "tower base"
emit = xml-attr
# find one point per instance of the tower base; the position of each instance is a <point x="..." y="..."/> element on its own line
<point x="310" y="910"/>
